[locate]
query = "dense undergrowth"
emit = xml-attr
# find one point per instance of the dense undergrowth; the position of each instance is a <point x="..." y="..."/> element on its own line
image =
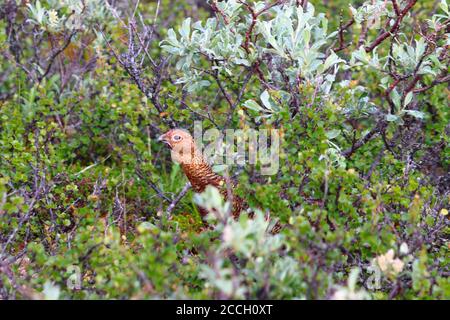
<point x="362" y="188"/>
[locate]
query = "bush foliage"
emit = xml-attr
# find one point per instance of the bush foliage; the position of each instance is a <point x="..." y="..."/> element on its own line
<point x="92" y="207"/>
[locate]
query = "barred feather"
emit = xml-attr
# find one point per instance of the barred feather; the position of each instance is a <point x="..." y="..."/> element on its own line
<point x="200" y="173"/>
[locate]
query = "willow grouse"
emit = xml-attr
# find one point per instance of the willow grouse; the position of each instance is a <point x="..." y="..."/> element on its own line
<point x="199" y="173"/>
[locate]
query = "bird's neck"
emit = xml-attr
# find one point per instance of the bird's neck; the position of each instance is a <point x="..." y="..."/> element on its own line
<point x="200" y="174"/>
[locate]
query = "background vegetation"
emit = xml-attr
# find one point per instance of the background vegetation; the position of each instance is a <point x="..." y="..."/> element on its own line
<point x="91" y="206"/>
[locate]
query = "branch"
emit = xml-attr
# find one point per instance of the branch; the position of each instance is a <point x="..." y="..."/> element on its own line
<point x="152" y="185"/>
<point x="239" y="96"/>
<point x="255" y="16"/>
<point x="343" y="28"/>
<point x="372" y="134"/>
<point x="394" y="29"/>
<point x="435" y="82"/>
<point x="57" y="53"/>
<point x="178" y="198"/>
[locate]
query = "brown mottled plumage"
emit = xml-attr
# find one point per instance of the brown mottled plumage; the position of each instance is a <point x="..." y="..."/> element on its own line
<point x="196" y="168"/>
<point x="198" y="171"/>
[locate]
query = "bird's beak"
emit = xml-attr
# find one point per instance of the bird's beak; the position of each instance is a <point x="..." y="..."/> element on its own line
<point x="162" y="137"/>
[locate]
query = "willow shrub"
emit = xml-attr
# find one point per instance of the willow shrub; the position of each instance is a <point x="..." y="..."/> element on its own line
<point x="359" y="97"/>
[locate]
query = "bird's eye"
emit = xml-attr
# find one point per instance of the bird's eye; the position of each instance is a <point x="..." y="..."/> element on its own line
<point x="176" y="138"/>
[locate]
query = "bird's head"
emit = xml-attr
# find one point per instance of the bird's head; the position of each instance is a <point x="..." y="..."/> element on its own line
<point x="182" y="145"/>
<point x="176" y="137"/>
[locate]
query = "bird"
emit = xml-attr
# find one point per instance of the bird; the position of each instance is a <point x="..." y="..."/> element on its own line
<point x="200" y="174"/>
<point x="197" y="169"/>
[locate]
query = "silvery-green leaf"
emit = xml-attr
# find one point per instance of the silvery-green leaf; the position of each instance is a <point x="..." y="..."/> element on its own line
<point x="408" y="98"/>
<point x="331" y="60"/>
<point x="426" y="70"/>
<point x="204" y="83"/>
<point x="444" y="6"/>
<point x="265" y="99"/>
<point x="352" y="279"/>
<point x="172" y="37"/>
<point x="306" y="36"/>
<point x="171" y="49"/>
<point x="252" y="105"/>
<point x="219" y="167"/>
<point x="180" y="64"/>
<point x="391" y="117"/>
<point x="145" y="226"/>
<point x="396" y="98"/>
<point x="225" y="286"/>
<point x="332" y="133"/>
<point x="332" y="34"/>
<point x="355" y="15"/>
<point x="185" y="29"/>
<point x="51" y="291"/>
<point x="420" y="48"/>
<point x="244" y="62"/>
<point x="435" y="60"/>
<point x="198" y="26"/>
<point x="415" y="113"/>
<point x="360" y="55"/>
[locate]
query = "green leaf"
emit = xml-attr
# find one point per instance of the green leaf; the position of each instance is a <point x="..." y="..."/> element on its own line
<point x="51" y="291"/>
<point x="391" y="117"/>
<point x="331" y="60"/>
<point x="415" y="113"/>
<point x="265" y="99"/>
<point x="396" y="98"/>
<point x="408" y="98"/>
<point x="252" y="105"/>
<point x="172" y="38"/>
<point x="444" y="6"/>
<point x="332" y="133"/>
<point x="185" y="30"/>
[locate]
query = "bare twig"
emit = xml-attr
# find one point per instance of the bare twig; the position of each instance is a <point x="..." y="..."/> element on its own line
<point x="394" y="29"/>
<point x="178" y="198"/>
<point x="369" y="136"/>
<point x="153" y="186"/>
